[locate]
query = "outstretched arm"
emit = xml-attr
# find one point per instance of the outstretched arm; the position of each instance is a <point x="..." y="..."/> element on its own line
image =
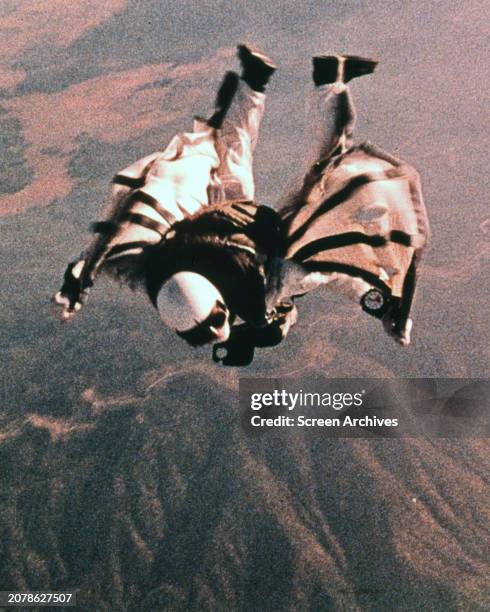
<point x="81" y="273"/>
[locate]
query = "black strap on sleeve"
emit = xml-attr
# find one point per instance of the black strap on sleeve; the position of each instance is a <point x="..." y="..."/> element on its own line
<point x="145" y="198"/>
<point x="334" y="200"/>
<point x="104" y="227"/>
<point x="129" y="181"/>
<point x="348" y="239"/>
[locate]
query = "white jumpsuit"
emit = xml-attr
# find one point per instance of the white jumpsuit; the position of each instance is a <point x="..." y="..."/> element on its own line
<point x="199" y="168"/>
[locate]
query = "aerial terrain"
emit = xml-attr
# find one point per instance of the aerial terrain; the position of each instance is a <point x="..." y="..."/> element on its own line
<point x="125" y="470"/>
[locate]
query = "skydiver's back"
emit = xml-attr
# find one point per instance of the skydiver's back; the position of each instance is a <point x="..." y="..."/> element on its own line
<point x="231" y="245"/>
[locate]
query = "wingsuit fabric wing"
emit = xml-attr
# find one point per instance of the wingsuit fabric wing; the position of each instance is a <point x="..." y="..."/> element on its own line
<point x="362" y="217"/>
<point x="358" y="224"/>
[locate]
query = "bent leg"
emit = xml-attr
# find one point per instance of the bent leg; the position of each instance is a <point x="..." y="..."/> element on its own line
<point x="240" y="108"/>
<point x="335" y="119"/>
<point x="336" y="115"/>
<point x="236" y="142"/>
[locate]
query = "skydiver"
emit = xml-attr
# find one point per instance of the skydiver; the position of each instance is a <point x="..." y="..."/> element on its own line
<point x="147" y="241"/>
<point x="231" y="259"/>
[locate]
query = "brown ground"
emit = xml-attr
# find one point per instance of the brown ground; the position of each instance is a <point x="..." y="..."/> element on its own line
<point x="124" y="470"/>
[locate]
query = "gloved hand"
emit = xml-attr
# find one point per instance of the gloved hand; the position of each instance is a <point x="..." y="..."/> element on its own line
<point x="283" y="317"/>
<point x="73" y="293"/>
<point x="239" y="349"/>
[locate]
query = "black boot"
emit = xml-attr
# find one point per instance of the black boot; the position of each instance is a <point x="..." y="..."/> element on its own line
<point x="327" y="68"/>
<point x="355" y="66"/>
<point x="225" y="95"/>
<point x="257" y="68"/>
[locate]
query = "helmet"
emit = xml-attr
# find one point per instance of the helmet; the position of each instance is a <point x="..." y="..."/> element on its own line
<point x="191" y="305"/>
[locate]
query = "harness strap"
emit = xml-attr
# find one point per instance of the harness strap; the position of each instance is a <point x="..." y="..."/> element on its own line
<point x="242" y="208"/>
<point x="334" y="200"/>
<point x="109" y="229"/>
<point x="402" y="238"/>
